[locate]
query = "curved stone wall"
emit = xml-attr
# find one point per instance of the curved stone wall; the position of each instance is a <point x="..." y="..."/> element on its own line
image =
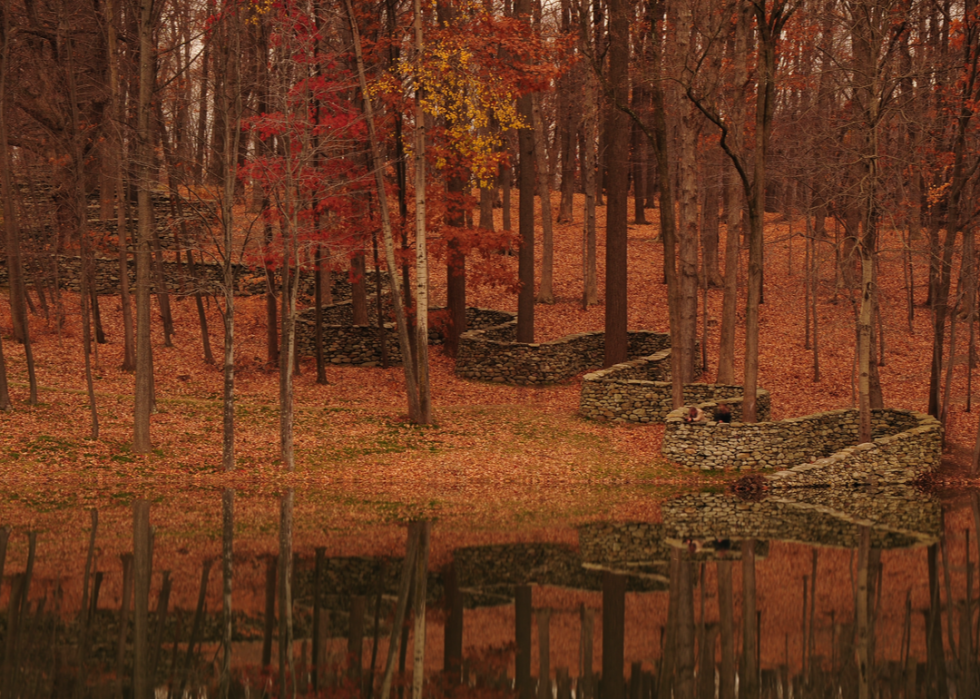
<point x="640" y="391"/>
<point x="495" y="355"/>
<point x="819" y="449"/>
<point x="347" y="344"/>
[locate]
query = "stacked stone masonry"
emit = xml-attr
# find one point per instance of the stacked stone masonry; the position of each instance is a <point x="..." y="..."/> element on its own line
<point x="347" y="344"/>
<point x="207" y="279"/>
<point x="494" y="355"/>
<point x="815" y="450"/>
<point x="640" y="391"/>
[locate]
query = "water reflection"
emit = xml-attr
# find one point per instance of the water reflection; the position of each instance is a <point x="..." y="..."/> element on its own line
<point x="812" y="594"/>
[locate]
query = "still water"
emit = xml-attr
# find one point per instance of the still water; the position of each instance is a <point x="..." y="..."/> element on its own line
<point x="714" y="594"/>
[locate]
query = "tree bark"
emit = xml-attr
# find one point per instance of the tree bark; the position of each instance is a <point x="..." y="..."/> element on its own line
<point x="401" y="323"/>
<point x="613" y="608"/>
<point x="421" y="244"/>
<point x="687" y="218"/>
<point x="546" y="292"/>
<point x="15" y="271"/>
<point x="735" y="209"/>
<point x="82" y="214"/>
<point x="287" y="665"/>
<point x="231" y="101"/>
<point x="418" y="638"/>
<point x="144" y="155"/>
<point x="142" y="569"/>
<point x="525" y="260"/>
<point x="617" y="210"/>
<point x="404" y="586"/>
<point x="590" y="284"/>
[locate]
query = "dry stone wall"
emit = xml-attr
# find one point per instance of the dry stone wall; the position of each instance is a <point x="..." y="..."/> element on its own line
<point x="347" y="344"/>
<point x="819" y="449"/>
<point x="494" y="355"/>
<point x="209" y="277"/>
<point x="640" y="391"/>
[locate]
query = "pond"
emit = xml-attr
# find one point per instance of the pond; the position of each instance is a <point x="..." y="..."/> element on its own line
<point x="856" y="593"/>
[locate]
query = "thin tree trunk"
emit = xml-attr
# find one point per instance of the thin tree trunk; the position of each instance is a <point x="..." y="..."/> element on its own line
<point x="196" y="627"/>
<point x="321" y="365"/>
<point x="404" y="586"/>
<point x="142" y="569"/>
<point x="748" y="677"/>
<point x="123" y="627"/>
<point x="163" y="603"/>
<point x="404" y="343"/>
<point x="231" y="101"/>
<point x="5" y="404"/>
<point x="287" y="664"/>
<point x="590" y="284"/>
<point x="144" y="155"/>
<point x="545" y="290"/>
<point x="726" y="614"/>
<point x="687" y="219"/>
<point x="861" y="613"/>
<point x="525" y="260"/>
<point x="227" y="572"/>
<point x="15" y="272"/>
<point x="418" y="638"/>
<point x="424" y="415"/>
<point x="82" y="214"/>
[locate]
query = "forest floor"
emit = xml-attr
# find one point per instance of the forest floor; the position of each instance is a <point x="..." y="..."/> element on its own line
<point x="491" y="443"/>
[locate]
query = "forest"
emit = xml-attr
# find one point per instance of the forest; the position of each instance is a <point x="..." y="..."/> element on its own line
<point x="198" y="196"/>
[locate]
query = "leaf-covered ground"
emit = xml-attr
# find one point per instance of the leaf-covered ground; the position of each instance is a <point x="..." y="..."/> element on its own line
<point x="488" y="440"/>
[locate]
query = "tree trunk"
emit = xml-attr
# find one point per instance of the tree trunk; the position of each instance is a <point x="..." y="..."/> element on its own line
<point x="590" y="290"/>
<point x="15" y="272"/>
<point x="397" y="294"/>
<point x="659" y="139"/>
<point x="144" y="145"/>
<point x="142" y="569"/>
<point x="404" y="587"/>
<point x="290" y="286"/>
<point x="710" y="219"/>
<point x="613" y="603"/>
<point x="287" y="666"/>
<point x="617" y="152"/>
<point x="545" y="290"/>
<point x="421" y="245"/>
<point x="735" y="209"/>
<point x="687" y="219"/>
<point x="568" y="125"/>
<point x="523" y="620"/>
<point x="82" y="214"/>
<point x="749" y="674"/>
<point x="230" y="99"/>
<point x="455" y="263"/>
<point x="418" y="639"/>
<point x="525" y="260"/>
<point x="726" y="615"/>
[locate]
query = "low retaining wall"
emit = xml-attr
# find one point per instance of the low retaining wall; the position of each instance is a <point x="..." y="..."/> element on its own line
<point x="640" y="391"/>
<point x="906" y="445"/>
<point x="495" y="355"/>
<point x="210" y="277"/>
<point x="347" y="344"/>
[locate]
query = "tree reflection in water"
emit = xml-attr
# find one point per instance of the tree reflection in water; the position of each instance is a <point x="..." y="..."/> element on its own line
<point x="851" y="598"/>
